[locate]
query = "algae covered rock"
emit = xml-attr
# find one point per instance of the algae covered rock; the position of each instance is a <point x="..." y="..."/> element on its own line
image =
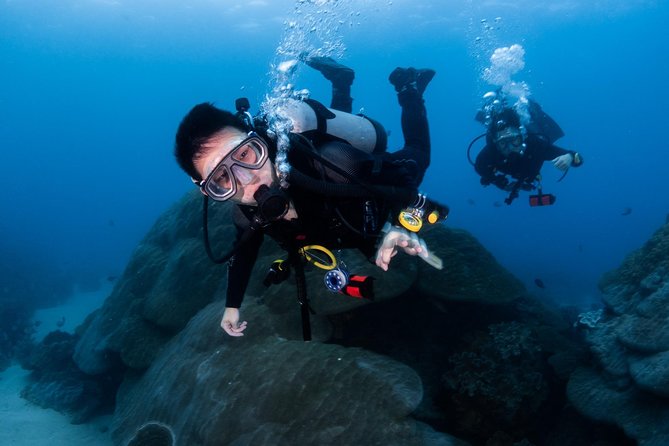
<point x="167" y="281"/>
<point x="627" y="384"/>
<point x="269" y="390"/>
<point x="470" y="272"/>
<point x="651" y="260"/>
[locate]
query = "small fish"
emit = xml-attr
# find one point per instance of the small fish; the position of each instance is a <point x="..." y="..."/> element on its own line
<point x="60" y="322"/>
<point x="471" y="201"/>
<point x="539" y="283"/>
<point x="111" y="223"/>
<point x="626" y="211"/>
<point x="112" y="278"/>
<point x="497" y="204"/>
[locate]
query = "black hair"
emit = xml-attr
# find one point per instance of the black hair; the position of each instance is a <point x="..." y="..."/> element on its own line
<point x="499" y="121"/>
<point x="199" y="125"/>
<point x="503" y="120"/>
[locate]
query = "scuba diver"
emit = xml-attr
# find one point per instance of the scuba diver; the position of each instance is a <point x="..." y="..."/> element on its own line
<point x="518" y="149"/>
<point x="343" y="190"/>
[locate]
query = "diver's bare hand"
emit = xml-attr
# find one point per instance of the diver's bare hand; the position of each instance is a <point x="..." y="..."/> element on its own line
<point x="394" y="239"/>
<point x="230" y="322"/>
<point x="563" y="162"/>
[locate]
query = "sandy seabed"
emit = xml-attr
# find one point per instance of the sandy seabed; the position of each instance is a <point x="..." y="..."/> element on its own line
<point x="23" y="423"/>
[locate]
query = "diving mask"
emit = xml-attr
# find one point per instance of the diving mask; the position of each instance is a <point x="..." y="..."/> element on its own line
<point x="250" y="154"/>
<point x="510" y="140"/>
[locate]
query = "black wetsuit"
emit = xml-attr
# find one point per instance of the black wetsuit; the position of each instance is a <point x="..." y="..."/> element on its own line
<point x="338" y="222"/>
<point x="492" y="165"/>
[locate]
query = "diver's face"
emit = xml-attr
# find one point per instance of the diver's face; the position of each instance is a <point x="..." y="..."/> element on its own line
<point x="246" y="181"/>
<point x="509" y="140"/>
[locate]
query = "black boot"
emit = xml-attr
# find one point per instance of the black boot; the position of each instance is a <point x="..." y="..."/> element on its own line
<point x="340" y="75"/>
<point x="423" y="78"/>
<point x="404" y="79"/>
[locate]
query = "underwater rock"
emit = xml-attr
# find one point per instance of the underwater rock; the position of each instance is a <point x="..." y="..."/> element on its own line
<point x="267" y="390"/>
<point x="137" y="342"/>
<point x="564" y="363"/>
<point x="641" y="263"/>
<point x="652" y="373"/>
<point x="606" y="348"/>
<point x="595" y="399"/>
<point x="641" y="416"/>
<point x="470" y="272"/>
<point x="502" y="363"/>
<point x="55" y="381"/>
<point x="628" y="383"/>
<point x="152" y="434"/>
<point x="168" y="279"/>
<point x="643" y="334"/>
<point x="617" y="298"/>
<point x="502" y="372"/>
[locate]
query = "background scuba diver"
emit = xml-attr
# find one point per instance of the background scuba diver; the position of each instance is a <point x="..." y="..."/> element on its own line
<point x="227" y="161"/>
<point x="519" y="151"/>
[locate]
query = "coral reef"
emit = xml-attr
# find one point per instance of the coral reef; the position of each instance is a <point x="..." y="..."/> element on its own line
<point x="152" y="434"/>
<point x="57" y="383"/>
<point x="269" y="390"/>
<point x="627" y="383"/>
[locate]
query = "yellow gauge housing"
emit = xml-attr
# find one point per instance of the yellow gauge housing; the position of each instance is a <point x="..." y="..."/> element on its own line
<point x="410" y="221"/>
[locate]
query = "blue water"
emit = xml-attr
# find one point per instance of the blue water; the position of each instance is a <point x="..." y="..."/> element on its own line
<point x="92" y="91"/>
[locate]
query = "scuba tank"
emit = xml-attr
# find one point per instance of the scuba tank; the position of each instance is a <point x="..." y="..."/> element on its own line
<point x="539" y="123"/>
<point x="361" y="132"/>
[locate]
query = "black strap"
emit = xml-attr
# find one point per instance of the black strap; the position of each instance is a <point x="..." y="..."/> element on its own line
<point x="381" y="136"/>
<point x="241" y="241"/>
<point x="322" y="115"/>
<point x="377" y="165"/>
<point x="359" y="188"/>
<point x="302" y="299"/>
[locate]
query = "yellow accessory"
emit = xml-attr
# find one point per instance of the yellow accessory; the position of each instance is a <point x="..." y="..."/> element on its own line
<point x="411" y="217"/>
<point x="433" y="217"/>
<point x="314" y="258"/>
<point x="411" y="220"/>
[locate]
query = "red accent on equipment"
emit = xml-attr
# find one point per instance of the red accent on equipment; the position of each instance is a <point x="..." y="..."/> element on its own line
<point x="352" y="291"/>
